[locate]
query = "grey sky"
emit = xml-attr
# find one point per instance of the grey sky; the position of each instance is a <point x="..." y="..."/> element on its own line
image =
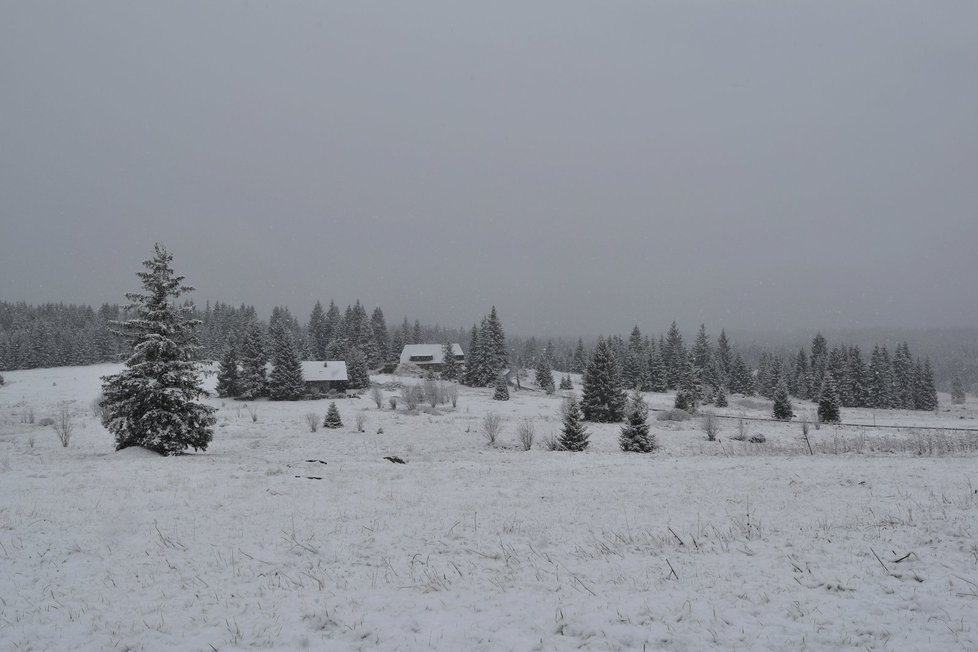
<point x="582" y="165"/>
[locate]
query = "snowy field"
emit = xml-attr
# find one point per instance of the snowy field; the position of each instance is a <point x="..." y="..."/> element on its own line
<point x="279" y="538"/>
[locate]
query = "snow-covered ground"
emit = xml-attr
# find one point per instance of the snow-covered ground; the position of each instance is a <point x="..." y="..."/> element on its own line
<point x="279" y="538"/>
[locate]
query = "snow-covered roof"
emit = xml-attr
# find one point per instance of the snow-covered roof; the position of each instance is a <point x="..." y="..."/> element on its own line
<point x="318" y="371"/>
<point x="428" y="353"/>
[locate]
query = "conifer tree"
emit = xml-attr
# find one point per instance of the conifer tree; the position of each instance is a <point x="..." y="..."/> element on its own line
<point x="502" y="389"/>
<point x="253" y="360"/>
<point x="228" y="381"/>
<point x="819" y="359"/>
<point x="720" y="397"/>
<point x="285" y="382"/>
<point x="635" y="437"/>
<point x="580" y="358"/>
<point x="925" y="394"/>
<point x="724" y="356"/>
<point x="544" y="375"/>
<point x="958" y="394"/>
<point x="378" y="328"/>
<point x="603" y="399"/>
<point x="782" y="402"/>
<point x="317" y="335"/>
<point x="689" y="394"/>
<point x="473" y="358"/>
<point x="673" y="356"/>
<point x="565" y="382"/>
<point x="494" y="342"/>
<point x="702" y="353"/>
<point x="903" y="377"/>
<point x="358" y="376"/>
<point x="656" y="372"/>
<point x="574" y="435"/>
<point x="802" y="377"/>
<point x="829" y="401"/>
<point x="450" y="368"/>
<point x="152" y="403"/>
<point x="333" y="419"/>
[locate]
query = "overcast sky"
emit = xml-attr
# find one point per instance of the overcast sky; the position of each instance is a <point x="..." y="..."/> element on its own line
<point x="581" y="165"/>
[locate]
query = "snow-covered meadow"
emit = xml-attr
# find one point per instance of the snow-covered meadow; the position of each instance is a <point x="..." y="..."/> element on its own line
<point x="280" y="538"/>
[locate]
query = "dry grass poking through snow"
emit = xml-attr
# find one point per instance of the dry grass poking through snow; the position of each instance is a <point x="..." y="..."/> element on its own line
<point x="283" y="538"/>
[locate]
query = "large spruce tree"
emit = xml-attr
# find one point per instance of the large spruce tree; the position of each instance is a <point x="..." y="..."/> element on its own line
<point x="285" y="381"/>
<point x="782" y="402"/>
<point x="829" y="401"/>
<point x="153" y="402"/>
<point x="253" y="360"/>
<point x="228" y="378"/>
<point x="603" y="399"/>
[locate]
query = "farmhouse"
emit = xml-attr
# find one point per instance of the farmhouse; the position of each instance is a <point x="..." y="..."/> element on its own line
<point x="324" y="376"/>
<point x="429" y="357"/>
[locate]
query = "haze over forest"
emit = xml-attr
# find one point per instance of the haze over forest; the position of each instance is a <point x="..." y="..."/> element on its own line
<point x="584" y="167"/>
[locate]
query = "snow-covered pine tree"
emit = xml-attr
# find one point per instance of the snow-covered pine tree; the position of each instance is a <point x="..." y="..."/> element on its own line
<point x="502" y="389"/>
<point x="702" y="353"/>
<point x="958" y="394"/>
<point x="285" y="382"/>
<point x="152" y="403"/>
<point x="544" y="374"/>
<point x="829" y="401"/>
<point x="316" y="332"/>
<point x="378" y="327"/>
<point x="332" y="419"/>
<point x="471" y="375"/>
<point x="925" y="394"/>
<point x="580" y="358"/>
<point x="565" y="382"/>
<point x="358" y="376"/>
<point x="819" y="359"/>
<point x="857" y="376"/>
<point x="253" y="360"/>
<point x="635" y="437"/>
<point x="802" y="376"/>
<point x="656" y="370"/>
<point x="450" y="368"/>
<point x="494" y="341"/>
<point x="720" y="397"/>
<point x="603" y="399"/>
<point x="782" y="402"/>
<point x="724" y="355"/>
<point x="574" y="435"/>
<point x="228" y="378"/>
<point x="689" y="394"/>
<point x="673" y="356"/>
<point x="903" y="377"/>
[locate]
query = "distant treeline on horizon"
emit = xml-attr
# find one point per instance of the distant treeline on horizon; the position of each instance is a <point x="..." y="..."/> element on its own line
<point x="57" y="334"/>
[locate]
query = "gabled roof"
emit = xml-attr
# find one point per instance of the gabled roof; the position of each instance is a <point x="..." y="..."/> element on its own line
<point x="318" y="371"/>
<point x="434" y="351"/>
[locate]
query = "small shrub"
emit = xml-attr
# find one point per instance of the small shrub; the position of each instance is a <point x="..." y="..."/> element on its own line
<point x="525" y="433"/>
<point x="551" y="442"/>
<point x="432" y="392"/>
<point x="63" y="427"/>
<point x="312" y="420"/>
<point x="711" y="425"/>
<point x="361" y="421"/>
<point x="377" y="395"/>
<point x="393" y="402"/>
<point x="412" y="395"/>
<point x="492" y="427"/>
<point x="675" y="414"/>
<point x="45" y="421"/>
<point x="451" y="393"/>
<point x="741" y="429"/>
<point x="253" y="411"/>
<point x="757" y="439"/>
